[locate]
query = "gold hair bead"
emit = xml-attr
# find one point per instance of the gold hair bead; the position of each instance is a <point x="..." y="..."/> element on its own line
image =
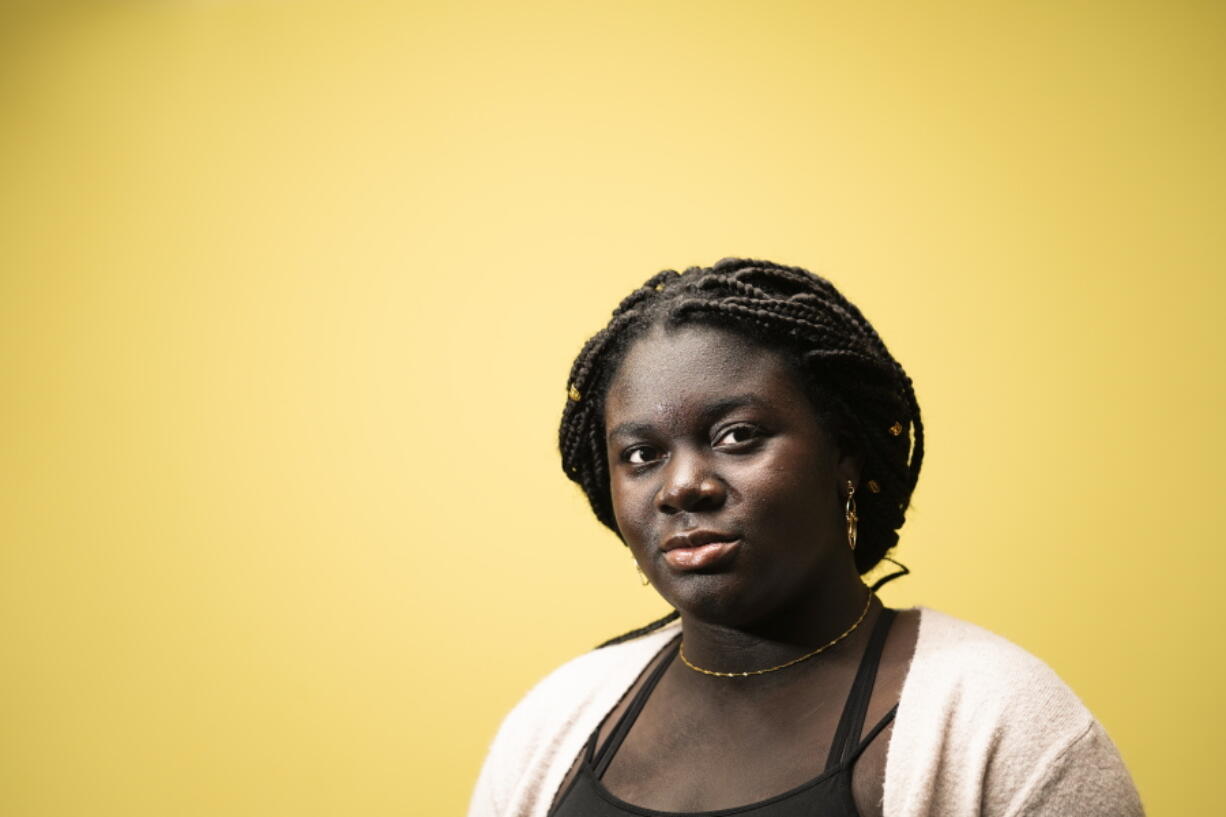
<point x="873" y="486"/>
<point x="573" y="393"/>
<point x="896" y="429"/>
<point x="659" y="287"/>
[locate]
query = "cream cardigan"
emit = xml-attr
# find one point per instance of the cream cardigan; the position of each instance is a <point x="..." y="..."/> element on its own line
<point x="983" y="729"/>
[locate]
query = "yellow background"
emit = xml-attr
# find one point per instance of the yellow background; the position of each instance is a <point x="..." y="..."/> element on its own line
<point x="288" y="294"/>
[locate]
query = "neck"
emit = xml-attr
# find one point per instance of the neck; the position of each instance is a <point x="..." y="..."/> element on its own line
<point x="787" y="634"/>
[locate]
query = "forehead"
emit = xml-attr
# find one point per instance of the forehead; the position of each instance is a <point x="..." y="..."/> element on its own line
<point x="689" y="367"/>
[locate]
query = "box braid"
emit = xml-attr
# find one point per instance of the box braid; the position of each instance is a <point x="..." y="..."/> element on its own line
<point x="857" y="386"/>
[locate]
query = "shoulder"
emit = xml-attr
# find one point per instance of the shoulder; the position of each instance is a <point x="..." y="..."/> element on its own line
<point x="541" y="736"/>
<point x="964" y="663"/>
<point x="581" y="685"/>
<point x="967" y="686"/>
<point x="984" y="727"/>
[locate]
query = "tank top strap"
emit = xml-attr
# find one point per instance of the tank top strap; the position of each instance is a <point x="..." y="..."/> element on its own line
<point x="600" y="759"/>
<point x="857" y="750"/>
<point x="847" y="743"/>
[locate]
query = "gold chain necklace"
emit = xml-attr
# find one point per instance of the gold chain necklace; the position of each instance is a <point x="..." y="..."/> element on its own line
<point x="792" y="663"/>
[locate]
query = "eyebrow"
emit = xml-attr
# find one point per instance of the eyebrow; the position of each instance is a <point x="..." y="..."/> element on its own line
<point x="716" y="409"/>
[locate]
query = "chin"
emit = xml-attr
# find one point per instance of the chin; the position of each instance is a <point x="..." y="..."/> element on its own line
<point x="714" y="598"/>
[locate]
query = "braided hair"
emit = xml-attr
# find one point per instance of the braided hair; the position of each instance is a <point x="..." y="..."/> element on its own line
<point x="857" y="387"/>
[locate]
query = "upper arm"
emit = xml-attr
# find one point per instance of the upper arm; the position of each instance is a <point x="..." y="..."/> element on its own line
<point x="490" y="796"/>
<point x="1088" y="778"/>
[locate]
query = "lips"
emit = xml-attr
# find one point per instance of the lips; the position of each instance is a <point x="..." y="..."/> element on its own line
<point x="699" y="549"/>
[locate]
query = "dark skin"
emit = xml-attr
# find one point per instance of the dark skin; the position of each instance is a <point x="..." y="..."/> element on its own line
<point x="707" y="431"/>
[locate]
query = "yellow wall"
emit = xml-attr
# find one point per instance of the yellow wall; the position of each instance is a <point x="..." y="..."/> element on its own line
<point x="288" y="293"/>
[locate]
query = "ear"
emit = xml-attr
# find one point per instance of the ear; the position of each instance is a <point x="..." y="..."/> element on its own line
<point x="847" y="470"/>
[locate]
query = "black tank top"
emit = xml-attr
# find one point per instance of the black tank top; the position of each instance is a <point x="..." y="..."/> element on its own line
<point x="827" y="795"/>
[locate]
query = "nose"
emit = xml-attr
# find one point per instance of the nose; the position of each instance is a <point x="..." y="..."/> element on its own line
<point x="690" y="485"/>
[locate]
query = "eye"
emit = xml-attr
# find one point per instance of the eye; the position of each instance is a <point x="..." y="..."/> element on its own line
<point x="738" y="435"/>
<point x="640" y="455"/>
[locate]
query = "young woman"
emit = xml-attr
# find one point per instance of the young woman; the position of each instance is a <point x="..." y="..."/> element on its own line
<point x="747" y="434"/>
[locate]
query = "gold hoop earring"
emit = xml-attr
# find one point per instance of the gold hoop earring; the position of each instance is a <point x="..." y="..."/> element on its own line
<point x="642" y="576"/>
<point x="849" y="513"/>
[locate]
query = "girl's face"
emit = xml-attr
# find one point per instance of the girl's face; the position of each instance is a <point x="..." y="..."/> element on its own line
<point x="725" y="484"/>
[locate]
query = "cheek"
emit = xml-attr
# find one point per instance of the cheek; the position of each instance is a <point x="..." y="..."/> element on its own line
<point x="785" y="503"/>
<point x="629" y="500"/>
<point x="793" y="493"/>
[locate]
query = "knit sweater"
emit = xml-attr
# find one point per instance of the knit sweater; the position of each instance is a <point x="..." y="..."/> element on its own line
<point x="984" y="729"/>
